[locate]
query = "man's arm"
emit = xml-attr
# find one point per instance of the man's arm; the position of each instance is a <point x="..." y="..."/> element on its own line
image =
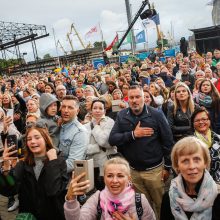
<point x="118" y="137"/>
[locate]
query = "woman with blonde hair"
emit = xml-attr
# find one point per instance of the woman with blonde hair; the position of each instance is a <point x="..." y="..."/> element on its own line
<point x="193" y="193"/>
<point x="179" y="114"/>
<point x="117" y="200"/>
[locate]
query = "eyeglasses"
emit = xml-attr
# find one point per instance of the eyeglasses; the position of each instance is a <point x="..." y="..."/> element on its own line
<point x="125" y="88"/>
<point x="32" y="124"/>
<point x="202" y="120"/>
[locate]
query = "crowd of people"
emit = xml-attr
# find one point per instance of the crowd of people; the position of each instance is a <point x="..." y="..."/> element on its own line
<point x="145" y="125"/>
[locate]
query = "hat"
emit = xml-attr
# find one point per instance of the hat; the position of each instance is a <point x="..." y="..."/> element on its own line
<point x="144" y="74"/>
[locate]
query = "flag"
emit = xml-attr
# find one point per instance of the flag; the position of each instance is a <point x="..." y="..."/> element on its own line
<point x="127" y="39"/>
<point x="147" y="23"/>
<point x="140" y="37"/>
<point x="93" y="31"/>
<point x="156" y="19"/>
<point x="112" y="43"/>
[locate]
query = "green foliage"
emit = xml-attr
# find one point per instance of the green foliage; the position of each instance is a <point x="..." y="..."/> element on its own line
<point x="99" y="44"/>
<point x="47" y="56"/>
<point x="9" y="63"/>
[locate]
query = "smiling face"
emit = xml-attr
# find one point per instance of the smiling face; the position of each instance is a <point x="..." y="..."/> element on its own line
<point x="192" y="167"/>
<point x="201" y="122"/>
<point x="31" y="106"/>
<point x="116" y="178"/>
<point x="36" y="143"/>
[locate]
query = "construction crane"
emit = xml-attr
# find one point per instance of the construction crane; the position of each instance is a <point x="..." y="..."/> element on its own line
<point x="70" y="41"/>
<point x="61" y="47"/>
<point x="77" y="34"/>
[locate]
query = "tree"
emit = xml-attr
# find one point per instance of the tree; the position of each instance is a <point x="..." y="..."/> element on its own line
<point x="99" y="44"/>
<point x="47" y="56"/>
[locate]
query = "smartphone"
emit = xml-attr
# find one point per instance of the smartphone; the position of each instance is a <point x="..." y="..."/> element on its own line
<point x="115" y="105"/>
<point x="12" y="140"/>
<point x="10" y="112"/>
<point x="86" y="166"/>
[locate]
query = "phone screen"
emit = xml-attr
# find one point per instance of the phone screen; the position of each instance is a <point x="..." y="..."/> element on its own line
<point x="12" y="140"/>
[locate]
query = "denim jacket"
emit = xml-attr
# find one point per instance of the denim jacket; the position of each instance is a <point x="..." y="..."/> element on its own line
<point x="73" y="142"/>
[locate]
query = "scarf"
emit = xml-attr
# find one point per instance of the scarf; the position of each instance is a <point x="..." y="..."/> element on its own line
<point x="110" y="203"/>
<point x="204" y="100"/>
<point x="207" y="139"/>
<point x="201" y="207"/>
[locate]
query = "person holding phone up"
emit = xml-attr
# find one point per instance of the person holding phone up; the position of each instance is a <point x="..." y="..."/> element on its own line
<point x="117" y="200"/>
<point x="40" y="179"/>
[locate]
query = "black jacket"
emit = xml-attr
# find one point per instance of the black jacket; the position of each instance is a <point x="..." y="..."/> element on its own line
<point x="180" y="123"/>
<point x="147" y="152"/>
<point x="44" y="198"/>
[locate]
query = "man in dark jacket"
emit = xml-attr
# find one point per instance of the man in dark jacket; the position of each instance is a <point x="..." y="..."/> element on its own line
<point x="144" y="138"/>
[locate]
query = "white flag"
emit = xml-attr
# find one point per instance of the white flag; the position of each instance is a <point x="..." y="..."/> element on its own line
<point x="94" y="31"/>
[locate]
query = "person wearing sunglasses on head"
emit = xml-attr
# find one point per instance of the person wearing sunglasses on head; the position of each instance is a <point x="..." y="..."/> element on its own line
<point x="40" y="179"/>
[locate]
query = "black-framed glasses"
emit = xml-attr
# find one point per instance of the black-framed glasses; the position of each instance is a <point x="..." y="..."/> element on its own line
<point x="202" y="120"/>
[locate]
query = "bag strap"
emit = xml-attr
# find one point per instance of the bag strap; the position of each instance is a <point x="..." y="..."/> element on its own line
<point x="138" y="204"/>
<point x="99" y="209"/>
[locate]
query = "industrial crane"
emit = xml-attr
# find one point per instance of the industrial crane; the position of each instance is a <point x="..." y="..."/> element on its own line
<point x="61" y="47"/>
<point x="77" y="34"/>
<point x="70" y="41"/>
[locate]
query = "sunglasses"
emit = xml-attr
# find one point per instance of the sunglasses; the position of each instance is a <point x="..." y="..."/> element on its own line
<point x="36" y="124"/>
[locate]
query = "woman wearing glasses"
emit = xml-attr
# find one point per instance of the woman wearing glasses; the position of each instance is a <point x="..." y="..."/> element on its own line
<point x="40" y="179"/>
<point x="202" y="129"/>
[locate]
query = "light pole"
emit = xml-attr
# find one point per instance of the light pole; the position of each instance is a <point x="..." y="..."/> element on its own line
<point x="129" y="17"/>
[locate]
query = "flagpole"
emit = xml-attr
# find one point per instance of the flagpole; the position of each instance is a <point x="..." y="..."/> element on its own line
<point x="102" y="39"/>
<point x="56" y="46"/>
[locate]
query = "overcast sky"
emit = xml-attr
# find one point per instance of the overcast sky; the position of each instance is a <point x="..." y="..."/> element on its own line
<point x="85" y="14"/>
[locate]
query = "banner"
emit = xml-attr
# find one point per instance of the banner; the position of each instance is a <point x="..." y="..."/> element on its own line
<point x="140" y="37"/>
<point x="93" y="31"/>
<point x="112" y="43"/>
<point x="156" y="19"/>
<point x="98" y="63"/>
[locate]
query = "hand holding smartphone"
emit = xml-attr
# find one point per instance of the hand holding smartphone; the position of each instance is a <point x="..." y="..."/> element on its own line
<point x="87" y="167"/>
<point x="13" y="141"/>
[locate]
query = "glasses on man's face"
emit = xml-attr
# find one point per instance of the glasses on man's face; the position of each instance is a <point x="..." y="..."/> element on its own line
<point x="32" y="124"/>
<point x="202" y="120"/>
<point x="124" y="87"/>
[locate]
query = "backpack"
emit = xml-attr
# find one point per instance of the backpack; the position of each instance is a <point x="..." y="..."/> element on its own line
<point x="138" y="205"/>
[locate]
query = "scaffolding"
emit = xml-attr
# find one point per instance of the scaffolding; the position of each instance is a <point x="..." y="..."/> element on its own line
<point x="14" y="34"/>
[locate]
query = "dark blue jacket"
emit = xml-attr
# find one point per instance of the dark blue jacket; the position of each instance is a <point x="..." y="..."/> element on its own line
<point x="147" y="152"/>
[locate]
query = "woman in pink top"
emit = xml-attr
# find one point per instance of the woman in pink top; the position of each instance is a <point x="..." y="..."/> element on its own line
<point x="116" y="201"/>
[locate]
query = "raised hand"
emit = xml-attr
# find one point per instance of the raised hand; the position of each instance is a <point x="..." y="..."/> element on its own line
<point x="76" y="187"/>
<point x="52" y="154"/>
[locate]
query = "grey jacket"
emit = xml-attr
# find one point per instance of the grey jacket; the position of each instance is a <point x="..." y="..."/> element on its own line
<point x="47" y="99"/>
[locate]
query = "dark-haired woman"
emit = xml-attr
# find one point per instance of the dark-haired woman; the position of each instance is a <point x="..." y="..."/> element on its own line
<point x="209" y="97"/>
<point x="99" y="148"/>
<point x="201" y="122"/>
<point x="40" y="180"/>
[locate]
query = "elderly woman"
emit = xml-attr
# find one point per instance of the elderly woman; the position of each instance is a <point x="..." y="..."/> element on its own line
<point x="117" y="201"/>
<point x="202" y="129"/>
<point x="193" y="193"/>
